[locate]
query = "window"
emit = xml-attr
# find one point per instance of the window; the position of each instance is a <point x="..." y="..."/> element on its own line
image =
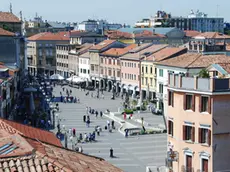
<point x="204" y="104"/>
<point x="118" y="62"/>
<point x="188" y="163"/>
<point x="40" y="52"/>
<point x="125" y="75"/>
<point x="118" y="73"/>
<point x="170" y="98"/>
<point x="188" y="133"/>
<point x="189" y="102"/>
<point x="142" y="69"/>
<point x="122" y="64"/>
<point x="142" y="80"/>
<point x="92" y="67"/>
<point x="151" y="81"/>
<point x="135" y="65"/>
<point x="204" y="165"/>
<point x="109" y="61"/>
<point x="161" y="87"/>
<point x="204" y="136"/>
<point x="146" y="81"/>
<point x="101" y="60"/>
<point x="134" y="77"/>
<point x="155" y="71"/>
<point x="151" y="69"/>
<point x="122" y="75"/>
<point x="161" y="72"/>
<point x="170" y="128"/>
<point x="146" y="69"/>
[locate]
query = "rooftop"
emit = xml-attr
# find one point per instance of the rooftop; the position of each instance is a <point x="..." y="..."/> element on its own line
<point x="8" y="17"/>
<point x="143" y="50"/>
<point x="159" y="30"/>
<point x="165" y="53"/>
<point x="148" y="34"/>
<point x="197" y="84"/>
<point x="194" y="60"/>
<point x="13" y="127"/>
<point x="118" y="35"/>
<point x="212" y="35"/>
<point x="5" y="33"/>
<point x="103" y="44"/>
<point x="119" y="51"/>
<point x="20" y="153"/>
<point x="191" y="33"/>
<point x="48" y="36"/>
<point x="78" y="33"/>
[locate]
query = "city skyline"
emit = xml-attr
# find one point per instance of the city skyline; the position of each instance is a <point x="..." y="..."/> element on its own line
<point x="77" y="12"/>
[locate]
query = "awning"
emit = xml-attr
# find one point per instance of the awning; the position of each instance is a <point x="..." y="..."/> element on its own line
<point x="56" y="77"/>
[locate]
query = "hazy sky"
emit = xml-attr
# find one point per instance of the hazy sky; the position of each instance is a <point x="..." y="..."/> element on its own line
<point x="122" y="11"/>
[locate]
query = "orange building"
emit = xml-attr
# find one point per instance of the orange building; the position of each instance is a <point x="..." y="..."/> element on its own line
<point x="198" y="123"/>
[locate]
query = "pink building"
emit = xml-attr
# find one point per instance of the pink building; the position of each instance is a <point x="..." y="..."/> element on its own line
<point x="111" y="68"/>
<point x="198" y="124"/>
<point x="130" y="66"/>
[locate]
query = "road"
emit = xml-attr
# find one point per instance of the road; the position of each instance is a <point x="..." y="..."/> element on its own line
<point x="132" y="154"/>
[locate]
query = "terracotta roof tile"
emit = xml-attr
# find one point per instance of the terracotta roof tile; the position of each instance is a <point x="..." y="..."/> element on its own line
<point x="213" y="35"/>
<point x="118" y="35"/>
<point x="103" y="44"/>
<point x="118" y="51"/>
<point x="28" y="131"/>
<point x="5" y="33"/>
<point x="142" y="50"/>
<point x="48" y="36"/>
<point x="8" y="17"/>
<point x="148" y="34"/>
<point x="190" y="60"/>
<point x="165" y="53"/>
<point x="191" y="33"/>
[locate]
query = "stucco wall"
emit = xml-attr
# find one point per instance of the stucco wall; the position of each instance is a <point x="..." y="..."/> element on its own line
<point x="130" y="70"/>
<point x="178" y="115"/>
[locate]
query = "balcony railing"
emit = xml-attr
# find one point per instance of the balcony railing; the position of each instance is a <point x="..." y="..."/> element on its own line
<point x="199" y="84"/>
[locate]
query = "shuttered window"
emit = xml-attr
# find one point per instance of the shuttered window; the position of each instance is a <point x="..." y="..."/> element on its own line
<point x="170" y="128"/>
<point x="170" y="98"/>
<point x="188" y="133"/>
<point x="205" y="136"/>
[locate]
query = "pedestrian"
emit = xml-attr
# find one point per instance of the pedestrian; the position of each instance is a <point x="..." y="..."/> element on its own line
<point x="74" y="132"/>
<point x="103" y="97"/>
<point x="80" y="149"/>
<point x="124" y="116"/>
<point x="78" y="100"/>
<point x="70" y="91"/>
<point x="98" y="131"/>
<point x="108" y="123"/>
<point x="92" y="94"/>
<point x="80" y="137"/>
<point x="101" y="113"/>
<point x="96" y="113"/>
<point x="63" y="88"/>
<point x="87" y="123"/>
<point x="88" y="118"/>
<point x="60" y="93"/>
<point x="65" y="99"/>
<point x="113" y="127"/>
<point x="111" y="153"/>
<point x="84" y="118"/>
<point x="126" y="133"/>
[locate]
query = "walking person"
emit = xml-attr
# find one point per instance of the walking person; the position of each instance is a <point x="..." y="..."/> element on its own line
<point x="101" y="113"/>
<point x="96" y="113"/>
<point x="84" y="118"/>
<point x="103" y="97"/>
<point x="87" y="123"/>
<point x="74" y="132"/>
<point x="113" y="127"/>
<point x="111" y="153"/>
<point x="87" y="110"/>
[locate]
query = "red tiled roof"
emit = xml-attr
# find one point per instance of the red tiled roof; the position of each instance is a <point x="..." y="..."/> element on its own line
<point x="103" y="44"/>
<point x="191" y="60"/>
<point x="149" y="34"/>
<point x="165" y="53"/>
<point x="119" y="51"/>
<point x="48" y="36"/>
<point x="28" y="131"/>
<point x="32" y="155"/>
<point x="5" y="33"/>
<point x="213" y="35"/>
<point x="8" y="17"/>
<point x="191" y="33"/>
<point x="118" y="35"/>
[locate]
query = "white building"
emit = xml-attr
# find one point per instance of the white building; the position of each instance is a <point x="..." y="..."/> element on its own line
<point x="84" y="66"/>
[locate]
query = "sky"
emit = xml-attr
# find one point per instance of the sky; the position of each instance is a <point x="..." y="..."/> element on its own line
<point x="116" y="11"/>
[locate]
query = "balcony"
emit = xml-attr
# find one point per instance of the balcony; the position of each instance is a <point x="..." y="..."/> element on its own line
<point x="199" y="84"/>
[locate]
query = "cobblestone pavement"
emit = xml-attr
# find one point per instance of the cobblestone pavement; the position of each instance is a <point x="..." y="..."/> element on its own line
<point x="132" y="154"/>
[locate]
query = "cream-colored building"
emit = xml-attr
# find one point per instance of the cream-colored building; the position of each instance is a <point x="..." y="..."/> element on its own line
<point x="41" y="52"/>
<point x="198" y="124"/>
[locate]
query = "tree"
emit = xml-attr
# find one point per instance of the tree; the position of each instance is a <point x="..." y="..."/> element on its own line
<point x="203" y="73"/>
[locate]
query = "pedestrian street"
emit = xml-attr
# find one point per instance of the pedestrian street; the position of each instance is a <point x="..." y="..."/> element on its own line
<point x="131" y="154"/>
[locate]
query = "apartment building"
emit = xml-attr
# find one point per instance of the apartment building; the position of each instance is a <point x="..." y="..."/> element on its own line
<point x="188" y="64"/>
<point x="149" y="71"/>
<point x="131" y="67"/>
<point x="111" y="67"/>
<point x="95" y="58"/>
<point x="41" y="52"/>
<point x="198" y="129"/>
<point x="62" y="60"/>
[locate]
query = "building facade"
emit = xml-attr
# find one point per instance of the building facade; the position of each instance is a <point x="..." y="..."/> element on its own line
<point x="197" y="123"/>
<point x="41" y="52"/>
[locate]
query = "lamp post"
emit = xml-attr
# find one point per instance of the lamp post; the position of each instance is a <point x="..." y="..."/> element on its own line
<point x="140" y="92"/>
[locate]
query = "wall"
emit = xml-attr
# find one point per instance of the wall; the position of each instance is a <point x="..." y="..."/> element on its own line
<point x="84" y="64"/>
<point x="149" y="76"/>
<point x="221" y="141"/>
<point x="178" y="115"/>
<point x="130" y="70"/>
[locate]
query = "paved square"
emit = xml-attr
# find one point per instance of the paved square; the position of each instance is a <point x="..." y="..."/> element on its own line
<point x="132" y="154"/>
